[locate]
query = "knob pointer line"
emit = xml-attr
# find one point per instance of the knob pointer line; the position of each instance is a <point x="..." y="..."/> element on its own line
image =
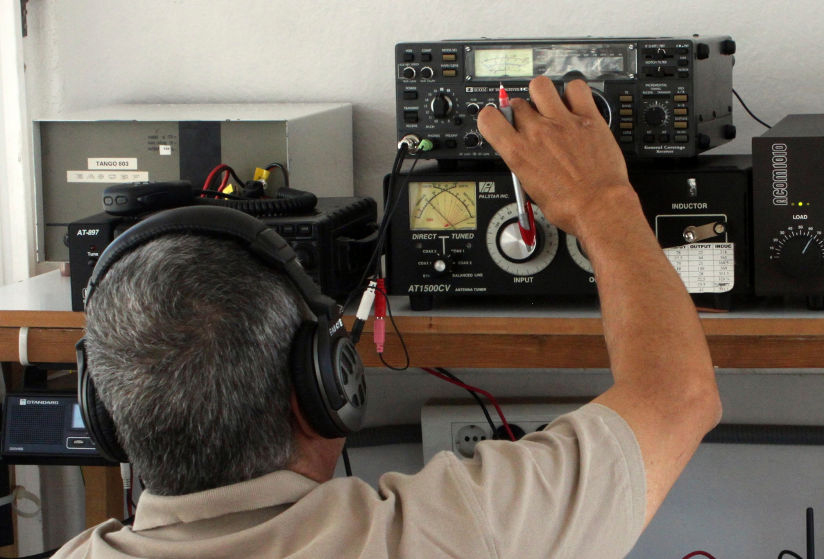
<point x="526" y="220"/>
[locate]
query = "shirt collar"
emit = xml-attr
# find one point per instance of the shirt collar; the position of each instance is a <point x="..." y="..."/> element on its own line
<point x="277" y="488"/>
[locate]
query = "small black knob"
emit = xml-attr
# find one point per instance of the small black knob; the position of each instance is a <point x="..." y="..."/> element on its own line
<point x="704" y="141"/>
<point x="427" y="72"/>
<point x="471" y="140"/>
<point x="408" y="73"/>
<point x="729" y="131"/>
<point x="702" y="51"/>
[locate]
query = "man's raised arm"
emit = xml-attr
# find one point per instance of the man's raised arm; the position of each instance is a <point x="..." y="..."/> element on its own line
<point x="569" y="163"/>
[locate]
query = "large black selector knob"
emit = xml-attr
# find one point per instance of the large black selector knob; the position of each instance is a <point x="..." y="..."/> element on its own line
<point x="441" y="105"/>
<point x="655" y="116"/>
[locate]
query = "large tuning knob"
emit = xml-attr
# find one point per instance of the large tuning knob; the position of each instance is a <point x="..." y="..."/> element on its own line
<point x="655" y="116"/>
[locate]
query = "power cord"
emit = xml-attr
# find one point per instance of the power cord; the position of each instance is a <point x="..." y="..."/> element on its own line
<point x="473" y="394"/>
<point x="746" y="108"/>
<point x="810" y="539"/>
<point x="452" y="380"/>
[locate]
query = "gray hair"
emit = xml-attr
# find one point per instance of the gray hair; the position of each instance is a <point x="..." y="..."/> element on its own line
<point x="188" y="343"/>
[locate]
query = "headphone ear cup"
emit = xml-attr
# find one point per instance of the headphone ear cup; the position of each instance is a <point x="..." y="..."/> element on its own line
<point x="306" y="380"/>
<point x="99" y="422"/>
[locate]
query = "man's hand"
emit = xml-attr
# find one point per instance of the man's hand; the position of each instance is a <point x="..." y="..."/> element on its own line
<point x="564" y="154"/>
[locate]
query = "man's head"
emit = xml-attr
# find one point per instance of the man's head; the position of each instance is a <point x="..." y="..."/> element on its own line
<point x="194" y="333"/>
<point x="188" y="342"/>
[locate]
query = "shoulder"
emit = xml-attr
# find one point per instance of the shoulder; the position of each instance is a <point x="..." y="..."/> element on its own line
<point x="81" y="546"/>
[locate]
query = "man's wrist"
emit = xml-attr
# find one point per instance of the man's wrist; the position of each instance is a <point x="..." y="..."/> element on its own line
<point x="615" y="214"/>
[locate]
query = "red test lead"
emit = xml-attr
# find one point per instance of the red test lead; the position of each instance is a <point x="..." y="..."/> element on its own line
<point x="526" y="219"/>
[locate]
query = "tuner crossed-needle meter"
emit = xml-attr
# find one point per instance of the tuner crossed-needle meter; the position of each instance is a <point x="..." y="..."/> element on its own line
<point x="442" y="205"/>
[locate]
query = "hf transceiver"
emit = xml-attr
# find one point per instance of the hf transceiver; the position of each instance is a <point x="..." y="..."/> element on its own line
<point x="457" y="234"/>
<point x="662" y="97"/>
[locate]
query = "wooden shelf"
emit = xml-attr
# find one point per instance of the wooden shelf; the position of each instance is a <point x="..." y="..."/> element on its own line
<point x="495" y="335"/>
<point x="488" y="341"/>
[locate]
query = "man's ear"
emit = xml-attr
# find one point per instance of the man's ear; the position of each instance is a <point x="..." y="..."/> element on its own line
<point x="299" y="419"/>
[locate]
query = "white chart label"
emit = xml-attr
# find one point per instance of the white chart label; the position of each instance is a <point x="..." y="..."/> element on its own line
<point x="704" y="267"/>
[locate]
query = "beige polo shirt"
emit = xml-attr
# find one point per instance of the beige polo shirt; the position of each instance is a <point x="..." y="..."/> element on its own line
<point x="576" y="489"/>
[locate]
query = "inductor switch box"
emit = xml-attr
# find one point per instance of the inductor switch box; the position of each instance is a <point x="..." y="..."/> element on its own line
<point x="77" y="156"/>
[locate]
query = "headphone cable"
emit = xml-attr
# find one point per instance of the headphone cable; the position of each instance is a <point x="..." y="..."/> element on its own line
<point x="347" y="466"/>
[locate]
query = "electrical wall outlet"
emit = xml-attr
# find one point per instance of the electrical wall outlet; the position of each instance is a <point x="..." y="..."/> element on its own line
<point x="459" y="425"/>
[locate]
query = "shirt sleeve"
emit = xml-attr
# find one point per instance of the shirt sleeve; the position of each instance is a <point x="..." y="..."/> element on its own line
<point x="576" y="489"/>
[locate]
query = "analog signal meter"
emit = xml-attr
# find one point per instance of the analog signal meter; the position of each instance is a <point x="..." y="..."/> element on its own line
<point x="442" y="206"/>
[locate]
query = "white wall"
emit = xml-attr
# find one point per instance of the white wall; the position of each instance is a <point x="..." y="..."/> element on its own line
<point x="17" y="245"/>
<point x="84" y="53"/>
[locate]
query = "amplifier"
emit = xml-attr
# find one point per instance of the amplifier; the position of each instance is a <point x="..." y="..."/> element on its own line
<point x="455" y="233"/>
<point x="788" y="209"/>
<point x="663" y="97"/>
<point x="46" y="428"/>
<point x="333" y="243"/>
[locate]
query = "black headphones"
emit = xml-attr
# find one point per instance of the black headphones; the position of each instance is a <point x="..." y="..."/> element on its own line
<point x="327" y="371"/>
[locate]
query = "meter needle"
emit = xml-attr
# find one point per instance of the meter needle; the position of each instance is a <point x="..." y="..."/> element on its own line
<point x="526" y="219"/>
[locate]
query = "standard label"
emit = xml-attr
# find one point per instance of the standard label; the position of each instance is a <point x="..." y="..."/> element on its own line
<point x="118" y="163"/>
<point x="107" y="177"/>
<point x="704" y="267"/>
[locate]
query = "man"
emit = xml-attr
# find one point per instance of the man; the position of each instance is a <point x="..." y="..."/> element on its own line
<point x="182" y="340"/>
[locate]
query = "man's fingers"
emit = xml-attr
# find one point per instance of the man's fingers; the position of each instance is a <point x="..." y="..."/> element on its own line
<point x="543" y="93"/>
<point x="495" y="129"/>
<point x="579" y="99"/>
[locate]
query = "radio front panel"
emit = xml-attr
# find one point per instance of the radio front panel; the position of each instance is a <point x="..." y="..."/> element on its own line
<point x="662" y="97"/>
